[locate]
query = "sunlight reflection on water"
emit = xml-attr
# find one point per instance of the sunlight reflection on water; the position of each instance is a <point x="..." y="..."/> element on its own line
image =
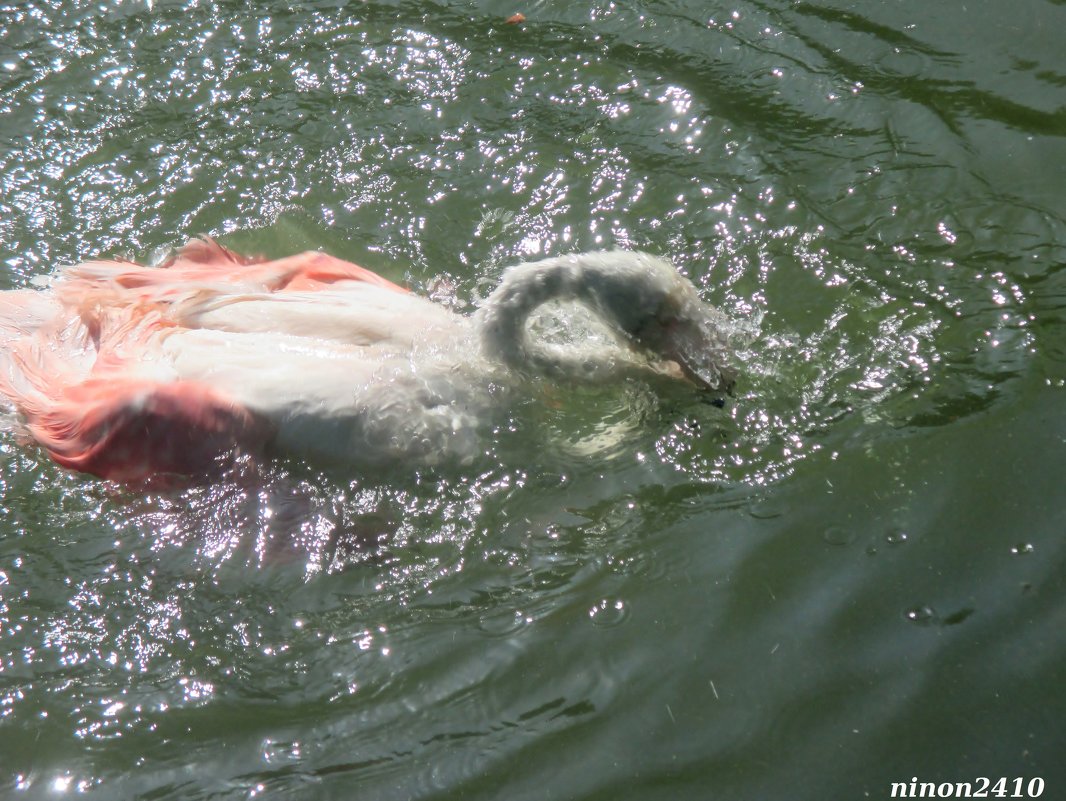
<point x="853" y="183"/>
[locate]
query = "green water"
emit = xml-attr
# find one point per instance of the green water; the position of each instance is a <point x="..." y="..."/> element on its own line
<point x="851" y="575"/>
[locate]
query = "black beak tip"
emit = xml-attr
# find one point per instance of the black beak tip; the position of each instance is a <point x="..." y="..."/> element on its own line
<point x="717" y="397"/>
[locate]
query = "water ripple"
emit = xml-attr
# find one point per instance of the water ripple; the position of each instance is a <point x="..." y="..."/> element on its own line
<point x="875" y="191"/>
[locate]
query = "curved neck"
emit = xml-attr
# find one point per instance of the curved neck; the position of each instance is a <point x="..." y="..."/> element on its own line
<point x="502" y="319"/>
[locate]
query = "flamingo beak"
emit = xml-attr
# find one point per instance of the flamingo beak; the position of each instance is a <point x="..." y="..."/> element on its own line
<point x="699" y="349"/>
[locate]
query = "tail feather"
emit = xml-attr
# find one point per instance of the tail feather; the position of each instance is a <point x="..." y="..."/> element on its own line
<point x="73" y="357"/>
<point x="42" y="348"/>
<point x="23" y="311"/>
<point x="204" y="266"/>
<point x="130" y="430"/>
<point x="204" y="250"/>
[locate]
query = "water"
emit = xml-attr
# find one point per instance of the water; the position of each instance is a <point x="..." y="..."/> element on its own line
<point x="850" y="575"/>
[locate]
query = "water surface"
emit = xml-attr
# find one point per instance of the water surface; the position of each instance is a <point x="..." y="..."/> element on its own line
<point x="850" y="575"/>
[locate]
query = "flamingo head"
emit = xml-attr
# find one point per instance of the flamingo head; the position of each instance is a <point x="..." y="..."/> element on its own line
<point x="658" y="311"/>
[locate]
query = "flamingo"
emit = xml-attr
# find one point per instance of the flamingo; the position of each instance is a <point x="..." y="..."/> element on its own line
<point x="127" y="372"/>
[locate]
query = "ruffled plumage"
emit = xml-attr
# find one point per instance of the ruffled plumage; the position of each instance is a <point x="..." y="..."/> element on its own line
<point x="126" y="371"/>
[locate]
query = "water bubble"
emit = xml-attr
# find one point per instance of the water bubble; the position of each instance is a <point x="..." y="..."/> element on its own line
<point x="901" y="63"/>
<point x="275" y="752"/>
<point x="608" y="612"/>
<point x="767" y="508"/>
<point x="640" y="564"/>
<point x="896" y="536"/>
<point x="838" y="535"/>
<point x="1022" y="548"/>
<point x="921" y="615"/>
<point x="501" y="625"/>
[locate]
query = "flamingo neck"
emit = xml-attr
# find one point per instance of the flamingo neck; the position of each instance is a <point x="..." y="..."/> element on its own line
<point x="502" y="319"/>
